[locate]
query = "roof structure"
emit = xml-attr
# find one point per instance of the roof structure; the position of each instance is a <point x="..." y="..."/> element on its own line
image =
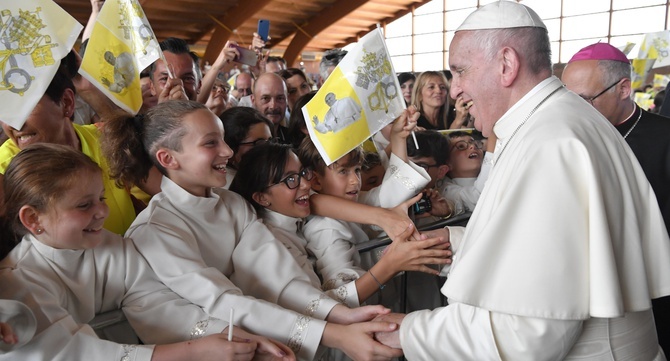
<point x="297" y="27"/>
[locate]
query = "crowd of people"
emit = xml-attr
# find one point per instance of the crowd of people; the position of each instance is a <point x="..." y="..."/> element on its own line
<point x="213" y="223"/>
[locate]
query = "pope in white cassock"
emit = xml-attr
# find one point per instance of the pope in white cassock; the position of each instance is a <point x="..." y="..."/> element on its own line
<point x="566" y="246"/>
<point x="342" y="113"/>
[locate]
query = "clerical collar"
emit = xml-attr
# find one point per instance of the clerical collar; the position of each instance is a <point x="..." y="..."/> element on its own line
<point x="626" y="127"/>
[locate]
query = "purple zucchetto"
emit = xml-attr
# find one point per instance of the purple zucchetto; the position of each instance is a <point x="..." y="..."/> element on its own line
<point x="600" y="51"/>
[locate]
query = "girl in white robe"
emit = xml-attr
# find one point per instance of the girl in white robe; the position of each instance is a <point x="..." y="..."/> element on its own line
<point x="207" y="245"/>
<point x="67" y="269"/>
<point x="275" y="183"/>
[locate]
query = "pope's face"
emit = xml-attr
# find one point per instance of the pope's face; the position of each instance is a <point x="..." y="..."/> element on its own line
<point x="474" y="80"/>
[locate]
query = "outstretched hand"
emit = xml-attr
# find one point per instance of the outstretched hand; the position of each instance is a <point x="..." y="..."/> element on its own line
<point x="267" y="349"/>
<point x="344" y="315"/>
<point x="357" y="341"/>
<point x="390" y="338"/>
<point x="396" y="220"/>
<point x="404" y="254"/>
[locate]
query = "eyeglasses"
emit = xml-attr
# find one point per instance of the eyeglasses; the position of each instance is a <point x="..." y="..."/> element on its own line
<point x="258" y="142"/>
<point x="591" y="99"/>
<point x="292" y="181"/>
<point x="465" y="144"/>
<point x="427" y="166"/>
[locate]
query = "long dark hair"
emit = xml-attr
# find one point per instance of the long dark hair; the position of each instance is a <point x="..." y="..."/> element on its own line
<point x="259" y="167"/>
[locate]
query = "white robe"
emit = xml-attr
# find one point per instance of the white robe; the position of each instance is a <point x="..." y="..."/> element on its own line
<point x="288" y="231"/>
<point x="563" y="252"/>
<point x="214" y="252"/>
<point x="65" y="289"/>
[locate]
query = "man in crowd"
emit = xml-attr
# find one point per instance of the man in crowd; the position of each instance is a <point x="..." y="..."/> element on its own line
<point x="601" y="74"/>
<point x="269" y="97"/>
<point x="186" y="82"/>
<point x="566" y="247"/>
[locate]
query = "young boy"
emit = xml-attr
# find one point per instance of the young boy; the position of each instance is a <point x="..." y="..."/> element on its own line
<point x="332" y="242"/>
<point x="469" y="167"/>
<point x="433" y="156"/>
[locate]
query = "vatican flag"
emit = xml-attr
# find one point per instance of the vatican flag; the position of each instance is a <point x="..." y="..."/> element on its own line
<point x="641" y="68"/>
<point x="656" y="46"/>
<point x="121" y="45"/>
<point x="358" y="99"/>
<point x="35" y="35"/>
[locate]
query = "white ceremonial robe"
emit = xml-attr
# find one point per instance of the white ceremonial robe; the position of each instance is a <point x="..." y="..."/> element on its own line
<point x="465" y="192"/>
<point x="288" y="231"/>
<point x="563" y="253"/>
<point x="214" y="252"/>
<point x="401" y="182"/>
<point x="65" y="289"/>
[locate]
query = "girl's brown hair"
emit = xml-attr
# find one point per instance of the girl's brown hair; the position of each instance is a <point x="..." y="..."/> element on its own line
<point x="39" y="175"/>
<point x="130" y="142"/>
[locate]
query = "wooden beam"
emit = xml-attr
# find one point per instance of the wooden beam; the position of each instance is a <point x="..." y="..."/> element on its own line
<point x="318" y="23"/>
<point x="235" y="17"/>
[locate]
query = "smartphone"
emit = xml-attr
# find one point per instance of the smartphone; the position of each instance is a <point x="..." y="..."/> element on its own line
<point x="247" y="56"/>
<point x="264" y="29"/>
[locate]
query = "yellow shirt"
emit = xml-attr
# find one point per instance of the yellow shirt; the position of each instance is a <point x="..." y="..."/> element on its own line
<point x="121" y="210"/>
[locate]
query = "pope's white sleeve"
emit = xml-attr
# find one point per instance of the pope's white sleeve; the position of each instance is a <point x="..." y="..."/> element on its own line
<point x="463" y="332"/>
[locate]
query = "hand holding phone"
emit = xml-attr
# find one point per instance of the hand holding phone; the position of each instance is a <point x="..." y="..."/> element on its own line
<point x="247" y="56"/>
<point x="264" y="29"/>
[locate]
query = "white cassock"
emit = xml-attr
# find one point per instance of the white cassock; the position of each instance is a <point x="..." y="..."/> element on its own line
<point x="65" y="289"/>
<point x="216" y="253"/>
<point x="563" y="253"/>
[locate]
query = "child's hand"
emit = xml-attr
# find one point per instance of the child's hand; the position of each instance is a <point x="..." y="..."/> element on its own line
<point x="268" y="349"/>
<point x="405" y="124"/>
<point x="397" y="221"/>
<point x="344" y="315"/>
<point x="441" y="207"/>
<point x="7" y="335"/>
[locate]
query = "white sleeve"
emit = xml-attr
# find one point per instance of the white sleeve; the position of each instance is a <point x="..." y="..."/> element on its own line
<point x="332" y="244"/>
<point x="174" y="255"/>
<point x="401" y="182"/>
<point x="58" y="336"/>
<point x="463" y="332"/>
<point x="455" y="237"/>
<point x="157" y="314"/>
<point x="265" y="269"/>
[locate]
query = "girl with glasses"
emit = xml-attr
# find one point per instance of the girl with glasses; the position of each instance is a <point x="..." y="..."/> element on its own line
<point x="274" y="181"/>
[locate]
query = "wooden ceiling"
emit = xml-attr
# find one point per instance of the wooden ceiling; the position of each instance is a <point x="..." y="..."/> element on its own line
<point x="296" y="26"/>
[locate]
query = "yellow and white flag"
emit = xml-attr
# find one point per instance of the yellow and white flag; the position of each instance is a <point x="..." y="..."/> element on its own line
<point x="34" y="36"/>
<point x="656" y="46"/>
<point x="121" y="45"/>
<point x="641" y="68"/>
<point x="358" y="99"/>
